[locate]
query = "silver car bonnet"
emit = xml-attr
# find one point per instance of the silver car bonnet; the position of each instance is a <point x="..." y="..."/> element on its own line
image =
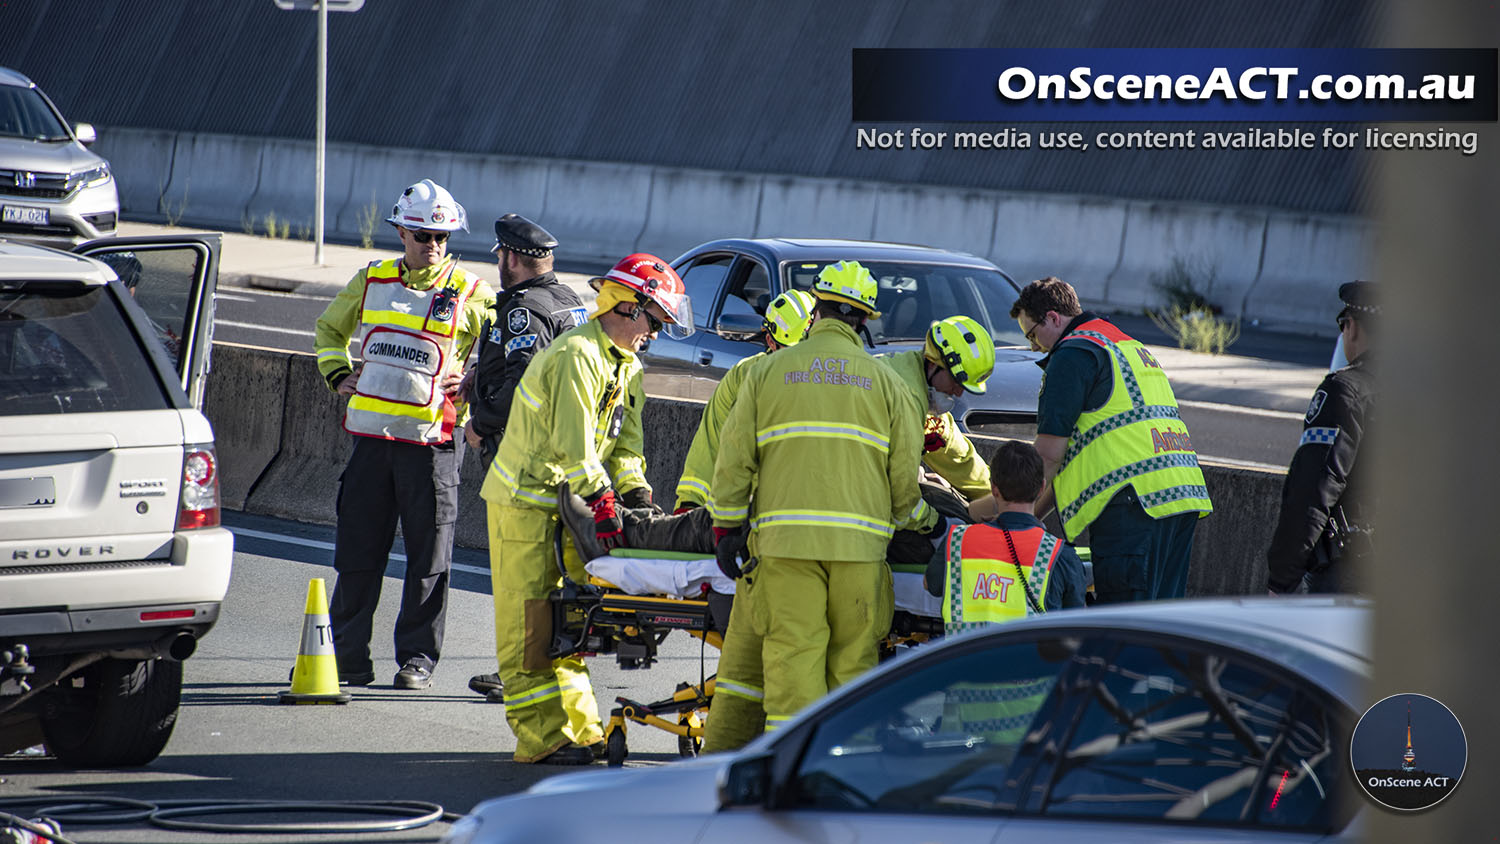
<point x="46" y="156"/>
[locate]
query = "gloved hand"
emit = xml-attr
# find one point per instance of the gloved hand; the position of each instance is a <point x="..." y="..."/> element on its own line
<point x="640" y="499"/>
<point x="938" y="530"/>
<point x="729" y="548"/>
<point x="932" y="442"/>
<point x="688" y="507"/>
<point x="607" y="524"/>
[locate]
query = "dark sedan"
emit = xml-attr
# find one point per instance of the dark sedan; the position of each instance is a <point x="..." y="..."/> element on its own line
<point x="731" y="282"/>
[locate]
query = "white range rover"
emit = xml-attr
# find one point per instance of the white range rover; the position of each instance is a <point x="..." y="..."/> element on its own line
<point x="112" y="559"/>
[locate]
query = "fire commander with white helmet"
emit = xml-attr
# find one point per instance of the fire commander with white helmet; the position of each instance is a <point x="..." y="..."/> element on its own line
<point x="575" y="419"/>
<point x="417" y="317"/>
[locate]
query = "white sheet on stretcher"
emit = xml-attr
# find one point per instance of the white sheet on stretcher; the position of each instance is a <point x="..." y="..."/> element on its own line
<point x="685" y="579"/>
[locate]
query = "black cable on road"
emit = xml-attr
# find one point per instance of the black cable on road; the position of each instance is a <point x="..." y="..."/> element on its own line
<point x="166" y="814"/>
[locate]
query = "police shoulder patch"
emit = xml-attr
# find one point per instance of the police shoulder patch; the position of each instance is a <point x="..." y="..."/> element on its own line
<point x="1316" y="405"/>
<point x="517" y="320"/>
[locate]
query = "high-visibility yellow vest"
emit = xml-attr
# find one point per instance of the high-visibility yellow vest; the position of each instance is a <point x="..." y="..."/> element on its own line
<point x="1136" y="438"/>
<point x="409" y="340"/>
<point x="987" y="582"/>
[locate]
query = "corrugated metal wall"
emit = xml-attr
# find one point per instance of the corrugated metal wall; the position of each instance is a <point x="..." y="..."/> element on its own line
<point x="753" y="85"/>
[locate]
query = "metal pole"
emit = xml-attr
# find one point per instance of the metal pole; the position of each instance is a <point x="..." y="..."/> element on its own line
<point x="322" y="130"/>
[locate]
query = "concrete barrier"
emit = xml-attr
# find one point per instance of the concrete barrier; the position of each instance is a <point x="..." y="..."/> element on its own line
<point x="245" y="399"/>
<point x="141" y="160"/>
<point x="302" y="482"/>
<point x="597" y="209"/>
<point x="1220" y="247"/>
<point x="213" y="178"/>
<point x="689" y="207"/>
<point x="490" y="186"/>
<point x="1307" y="258"/>
<point x="1278" y="268"/>
<point x="284" y="187"/>
<point x="817" y="208"/>
<point x="282" y="448"/>
<point x="947" y="219"/>
<point x="1076" y="239"/>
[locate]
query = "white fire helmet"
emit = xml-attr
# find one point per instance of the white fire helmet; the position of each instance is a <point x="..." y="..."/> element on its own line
<point x="427" y="205"/>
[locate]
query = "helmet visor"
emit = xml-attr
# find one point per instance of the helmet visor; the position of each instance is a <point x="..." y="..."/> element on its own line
<point x="680" y="309"/>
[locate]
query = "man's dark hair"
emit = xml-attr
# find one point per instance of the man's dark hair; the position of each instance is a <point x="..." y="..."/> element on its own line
<point x="1047" y="294"/>
<point x="1017" y="472"/>
<point x="836" y="310"/>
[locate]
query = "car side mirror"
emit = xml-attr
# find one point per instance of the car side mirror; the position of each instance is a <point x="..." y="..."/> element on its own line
<point x="739" y="326"/>
<point x="86" y="134"/>
<point x="745" y="782"/>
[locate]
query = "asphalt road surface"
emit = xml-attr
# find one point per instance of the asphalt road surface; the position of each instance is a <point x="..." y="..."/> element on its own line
<point x="1221" y="432"/>
<point x="444" y="745"/>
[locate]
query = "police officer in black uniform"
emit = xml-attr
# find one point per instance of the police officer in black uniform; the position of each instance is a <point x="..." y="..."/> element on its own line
<point x="1323" y="535"/>
<point x="532" y="308"/>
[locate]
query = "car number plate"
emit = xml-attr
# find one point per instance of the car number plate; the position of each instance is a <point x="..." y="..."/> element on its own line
<point x="26" y="216"/>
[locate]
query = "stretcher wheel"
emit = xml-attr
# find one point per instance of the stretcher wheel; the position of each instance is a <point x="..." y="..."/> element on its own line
<point x="689" y="747"/>
<point x="614" y="749"/>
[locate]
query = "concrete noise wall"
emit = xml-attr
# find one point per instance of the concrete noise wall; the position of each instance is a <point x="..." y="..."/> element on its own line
<point x="1274" y="267"/>
<point x="282" y="447"/>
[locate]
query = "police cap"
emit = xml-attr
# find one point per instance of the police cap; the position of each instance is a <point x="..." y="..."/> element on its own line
<point x="1360" y="299"/>
<point x="519" y="234"/>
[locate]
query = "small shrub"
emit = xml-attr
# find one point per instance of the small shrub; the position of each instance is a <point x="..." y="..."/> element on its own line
<point x="369" y="217"/>
<point x="174" y="212"/>
<point x="1197" y="329"/>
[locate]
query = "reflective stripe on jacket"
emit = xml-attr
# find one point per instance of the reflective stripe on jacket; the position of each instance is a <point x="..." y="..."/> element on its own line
<point x="698" y="468"/>
<point x="563" y="427"/>
<point x="410" y="342"/>
<point x="1135" y="438"/>
<point x="986" y="583"/>
<point x="828" y="439"/>
<point x="957" y="462"/>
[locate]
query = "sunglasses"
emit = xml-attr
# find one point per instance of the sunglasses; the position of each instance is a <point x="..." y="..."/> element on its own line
<point x="656" y="324"/>
<point x="1343" y="322"/>
<point x="429" y="237"/>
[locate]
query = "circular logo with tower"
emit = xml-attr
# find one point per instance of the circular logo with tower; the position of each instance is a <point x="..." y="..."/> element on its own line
<point x="1408" y="752"/>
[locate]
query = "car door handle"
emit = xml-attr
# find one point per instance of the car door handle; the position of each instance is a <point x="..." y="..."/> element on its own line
<point x="705" y="357"/>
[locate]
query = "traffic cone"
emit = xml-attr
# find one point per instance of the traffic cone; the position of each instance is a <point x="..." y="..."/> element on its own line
<point x="315" y="679"/>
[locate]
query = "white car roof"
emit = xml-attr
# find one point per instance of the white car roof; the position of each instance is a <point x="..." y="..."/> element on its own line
<point x="27" y="262"/>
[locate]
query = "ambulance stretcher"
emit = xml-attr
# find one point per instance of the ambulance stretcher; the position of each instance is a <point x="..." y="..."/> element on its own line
<point x="635" y="598"/>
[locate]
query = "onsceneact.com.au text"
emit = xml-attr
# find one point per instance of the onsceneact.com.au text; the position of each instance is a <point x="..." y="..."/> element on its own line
<point x="1254" y="83"/>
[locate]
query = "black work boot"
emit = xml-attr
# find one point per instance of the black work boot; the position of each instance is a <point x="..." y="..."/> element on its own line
<point x="578" y="518"/>
<point x="483" y="683"/>
<point x="568" y="754"/>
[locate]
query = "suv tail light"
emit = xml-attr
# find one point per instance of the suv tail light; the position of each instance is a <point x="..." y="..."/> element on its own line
<point x="199" y="507"/>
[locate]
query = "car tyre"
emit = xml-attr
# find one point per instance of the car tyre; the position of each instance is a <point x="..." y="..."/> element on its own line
<point x="122" y="715"/>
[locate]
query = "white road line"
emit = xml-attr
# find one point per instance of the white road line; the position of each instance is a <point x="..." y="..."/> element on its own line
<point x="1235" y="408"/>
<point x="328" y="546"/>
<point x="261" y="291"/>
<point x="231" y="297"/>
<point x="232" y="324"/>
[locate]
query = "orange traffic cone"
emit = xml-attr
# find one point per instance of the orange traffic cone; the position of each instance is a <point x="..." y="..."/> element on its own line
<point x="315" y="679"/>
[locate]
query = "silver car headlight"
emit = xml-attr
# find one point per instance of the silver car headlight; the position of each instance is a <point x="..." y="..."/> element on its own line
<point x="92" y="176"/>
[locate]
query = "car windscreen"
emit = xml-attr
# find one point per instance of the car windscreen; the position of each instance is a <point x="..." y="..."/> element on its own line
<point x="914" y="295"/>
<point x="24" y="114"/>
<point x="66" y="348"/>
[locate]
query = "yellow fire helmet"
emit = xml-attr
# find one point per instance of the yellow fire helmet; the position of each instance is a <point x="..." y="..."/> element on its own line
<point x="962" y="345"/>
<point x="788" y="316"/>
<point x="849" y="283"/>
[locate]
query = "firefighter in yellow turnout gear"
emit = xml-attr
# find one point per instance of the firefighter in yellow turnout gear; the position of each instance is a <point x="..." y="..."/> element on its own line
<point x="576" y="418"/>
<point x="958" y="356"/>
<point x="828" y="438"/>
<point x="998" y="571"/>
<point x="736" y="716"/>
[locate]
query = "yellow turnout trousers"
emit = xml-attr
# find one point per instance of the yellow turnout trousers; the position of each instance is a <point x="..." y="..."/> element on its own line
<point x="822" y="623"/>
<point x="737" y="715"/>
<point x="548" y="703"/>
